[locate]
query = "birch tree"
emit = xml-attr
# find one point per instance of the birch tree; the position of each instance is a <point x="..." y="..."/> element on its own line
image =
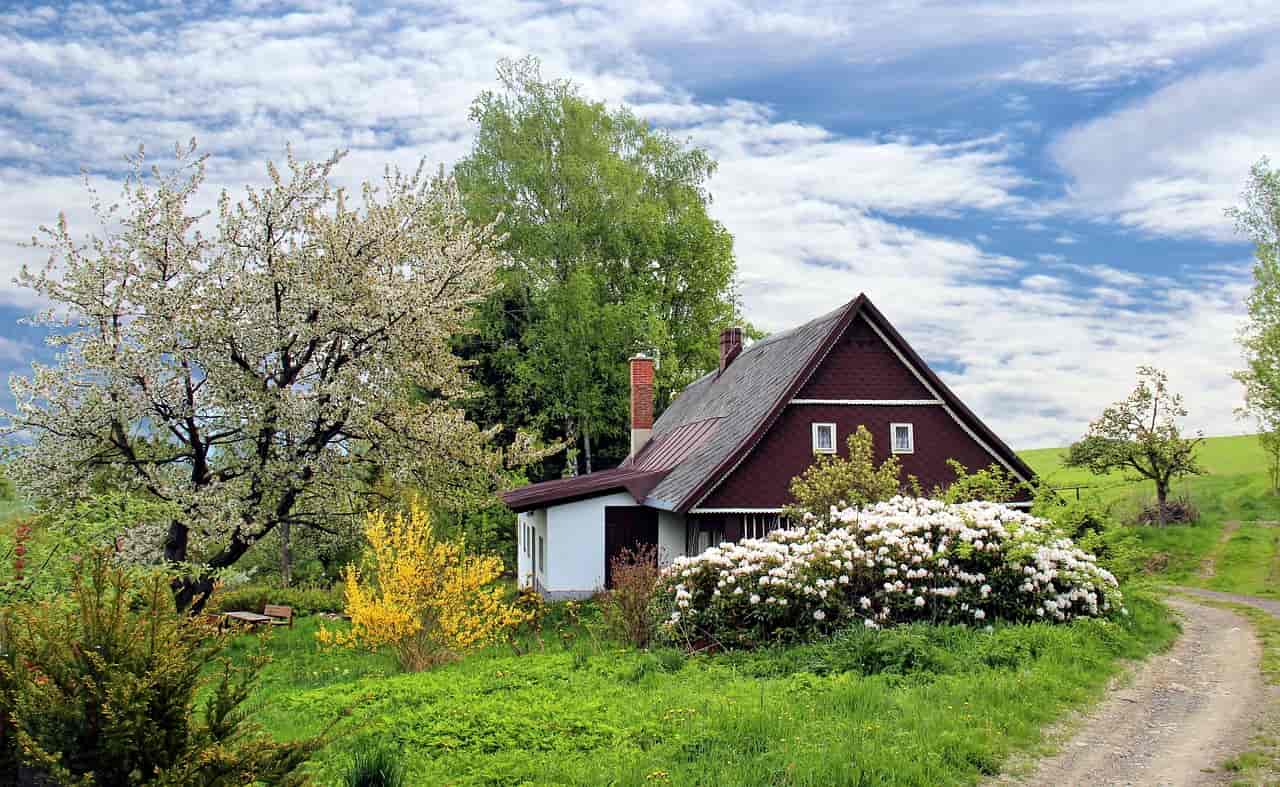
<point x="252" y="365"/>
<point x="1259" y="220"/>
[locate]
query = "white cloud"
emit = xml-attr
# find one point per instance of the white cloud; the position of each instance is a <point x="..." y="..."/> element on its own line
<point x="1034" y="354"/>
<point x="1171" y="163"/>
<point x="1030" y="349"/>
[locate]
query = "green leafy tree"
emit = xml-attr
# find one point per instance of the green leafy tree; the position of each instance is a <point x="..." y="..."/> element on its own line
<point x="611" y="251"/>
<point x="1259" y="219"/>
<point x="838" y="482"/>
<point x="1140" y="435"/>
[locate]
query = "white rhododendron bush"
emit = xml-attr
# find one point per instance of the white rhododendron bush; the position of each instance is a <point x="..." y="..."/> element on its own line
<point x="904" y="560"/>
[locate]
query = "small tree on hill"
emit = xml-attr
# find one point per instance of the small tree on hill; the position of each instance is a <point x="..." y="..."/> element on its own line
<point x="836" y="482"/>
<point x="1140" y="434"/>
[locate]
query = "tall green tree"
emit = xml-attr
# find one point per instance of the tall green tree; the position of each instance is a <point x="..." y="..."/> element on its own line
<point x="1140" y="434"/>
<point x="1259" y="219"/>
<point x="611" y="250"/>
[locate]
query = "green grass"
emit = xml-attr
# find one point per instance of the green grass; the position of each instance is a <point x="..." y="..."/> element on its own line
<point x="946" y="706"/>
<point x="1235" y="487"/>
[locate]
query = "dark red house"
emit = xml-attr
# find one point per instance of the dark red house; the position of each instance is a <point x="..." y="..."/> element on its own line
<point x="717" y="465"/>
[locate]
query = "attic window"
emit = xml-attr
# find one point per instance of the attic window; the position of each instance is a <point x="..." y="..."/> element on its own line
<point x="902" y="439"/>
<point x="824" y="438"/>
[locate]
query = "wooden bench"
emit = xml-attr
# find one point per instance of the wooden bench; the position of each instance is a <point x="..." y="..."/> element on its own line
<point x="280" y="615"/>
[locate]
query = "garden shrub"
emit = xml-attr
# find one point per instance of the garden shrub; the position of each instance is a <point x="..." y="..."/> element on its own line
<point x="834" y="482"/>
<point x="625" y="607"/>
<point x="303" y="599"/>
<point x="993" y="484"/>
<point x="424" y="597"/>
<point x="98" y="688"/>
<point x="1095" y="530"/>
<point x="904" y="560"/>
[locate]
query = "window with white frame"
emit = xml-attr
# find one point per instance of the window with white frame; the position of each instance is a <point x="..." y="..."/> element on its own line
<point x="760" y="525"/>
<point x="902" y="438"/>
<point x="542" y="555"/>
<point x="824" y="438"/>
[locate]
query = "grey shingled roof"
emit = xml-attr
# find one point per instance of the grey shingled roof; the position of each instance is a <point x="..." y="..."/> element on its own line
<point x="743" y="396"/>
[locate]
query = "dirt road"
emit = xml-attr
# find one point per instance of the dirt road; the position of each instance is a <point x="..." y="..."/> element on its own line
<point x="1179" y="717"/>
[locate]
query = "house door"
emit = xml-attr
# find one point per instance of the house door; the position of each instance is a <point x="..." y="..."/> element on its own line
<point x="627" y="527"/>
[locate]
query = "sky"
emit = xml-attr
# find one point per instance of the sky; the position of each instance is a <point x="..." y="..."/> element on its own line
<point x="1032" y="192"/>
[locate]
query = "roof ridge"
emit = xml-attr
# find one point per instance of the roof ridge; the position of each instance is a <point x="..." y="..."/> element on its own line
<point x="842" y="317"/>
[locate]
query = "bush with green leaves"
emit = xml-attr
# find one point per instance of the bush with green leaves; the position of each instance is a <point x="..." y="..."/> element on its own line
<point x="303" y="599"/>
<point x="993" y="484"/>
<point x="100" y="687"/>
<point x="833" y="483"/>
<point x="1093" y="528"/>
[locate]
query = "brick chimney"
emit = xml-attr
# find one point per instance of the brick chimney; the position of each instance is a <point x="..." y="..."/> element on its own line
<point x="730" y="346"/>
<point x="641" y="401"/>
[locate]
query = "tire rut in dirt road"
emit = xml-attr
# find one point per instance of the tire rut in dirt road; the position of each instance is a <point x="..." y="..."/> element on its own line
<point x="1184" y="712"/>
<point x="1209" y="566"/>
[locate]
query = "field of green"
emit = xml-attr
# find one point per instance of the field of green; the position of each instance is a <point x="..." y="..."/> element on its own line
<point x="914" y="705"/>
<point x="927" y="705"/>
<point x="1239" y="558"/>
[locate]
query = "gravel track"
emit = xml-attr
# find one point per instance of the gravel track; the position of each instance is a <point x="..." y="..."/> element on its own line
<point x="1181" y="715"/>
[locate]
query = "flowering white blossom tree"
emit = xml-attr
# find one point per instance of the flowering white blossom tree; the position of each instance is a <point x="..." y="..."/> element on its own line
<point x="253" y="366"/>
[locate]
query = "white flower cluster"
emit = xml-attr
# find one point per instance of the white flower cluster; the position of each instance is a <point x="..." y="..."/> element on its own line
<point x="903" y="560"/>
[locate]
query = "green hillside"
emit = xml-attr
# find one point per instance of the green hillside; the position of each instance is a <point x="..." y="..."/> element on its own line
<point x="1235" y="489"/>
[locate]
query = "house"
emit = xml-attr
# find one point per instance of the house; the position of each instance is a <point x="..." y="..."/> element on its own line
<point x="718" y="463"/>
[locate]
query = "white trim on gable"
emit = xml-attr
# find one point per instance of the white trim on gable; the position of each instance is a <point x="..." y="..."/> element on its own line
<point x="872" y="402"/>
<point x="755" y="442"/>
<point x="945" y="408"/>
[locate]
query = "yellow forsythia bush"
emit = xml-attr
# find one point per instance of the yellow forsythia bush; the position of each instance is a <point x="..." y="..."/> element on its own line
<point x="421" y="595"/>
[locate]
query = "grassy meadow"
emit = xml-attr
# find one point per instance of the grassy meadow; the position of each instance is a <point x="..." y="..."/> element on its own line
<point x="1240" y="558"/>
<point x="928" y="705"/>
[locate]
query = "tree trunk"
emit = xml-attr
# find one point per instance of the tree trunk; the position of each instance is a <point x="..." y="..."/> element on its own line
<point x="586" y="446"/>
<point x="286" y="555"/>
<point x="175" y="544"/>
<point x="192" y="593"/>
<point x="1162" y="499"/>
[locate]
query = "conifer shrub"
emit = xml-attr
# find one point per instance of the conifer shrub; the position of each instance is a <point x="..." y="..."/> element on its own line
<point x="900" y="561"/>
<point x="99" y="688"/>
